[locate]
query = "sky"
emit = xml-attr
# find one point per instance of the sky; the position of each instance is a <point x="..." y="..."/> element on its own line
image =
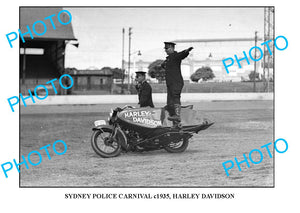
<point x="99" y="32"/>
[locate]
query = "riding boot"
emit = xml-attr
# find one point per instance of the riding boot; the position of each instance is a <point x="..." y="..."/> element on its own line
<point x="176" y="115"/>
<point x="170" y="109"/>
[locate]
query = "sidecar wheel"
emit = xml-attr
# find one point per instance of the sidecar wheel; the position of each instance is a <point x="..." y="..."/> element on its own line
<point x="104" y="145"/>
<point x="177" y="147"/>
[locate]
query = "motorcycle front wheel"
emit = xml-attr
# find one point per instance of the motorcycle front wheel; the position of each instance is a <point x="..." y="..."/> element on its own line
<point x="177" y="147"/>
<point x="104" y="144"/>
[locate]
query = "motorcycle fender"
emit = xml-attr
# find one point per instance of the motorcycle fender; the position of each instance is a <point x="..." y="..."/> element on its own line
<point x="124" y="143"/>
<point x="102" y="126"/>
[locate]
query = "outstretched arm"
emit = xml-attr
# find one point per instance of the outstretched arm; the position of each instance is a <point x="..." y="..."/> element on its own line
<point x="189" y="49"/>
<point x="183" y="54"/>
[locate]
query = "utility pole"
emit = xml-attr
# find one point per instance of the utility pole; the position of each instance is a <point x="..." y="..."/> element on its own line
<point x="268" y="34"/>
<point x="129" y="34"/>
<point x="272" y="36"/>
<point x="268" y="19"/>
<point x="123" y="67"/>
<point x="265" y="51"/>
<point x="255" y="64"/>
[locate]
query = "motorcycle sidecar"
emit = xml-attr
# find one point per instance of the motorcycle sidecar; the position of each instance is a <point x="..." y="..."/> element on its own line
<point x="154" y="118"/>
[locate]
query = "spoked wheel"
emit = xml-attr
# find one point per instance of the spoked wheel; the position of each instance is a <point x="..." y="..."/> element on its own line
<point x="104" y="144"/>
<point x="178" y="146"/>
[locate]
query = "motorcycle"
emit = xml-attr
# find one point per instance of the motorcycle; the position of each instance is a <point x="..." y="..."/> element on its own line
<point x="145" y="129"/>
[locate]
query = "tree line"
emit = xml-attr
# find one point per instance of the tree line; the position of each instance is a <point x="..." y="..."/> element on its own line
<point x="156" y="71"/>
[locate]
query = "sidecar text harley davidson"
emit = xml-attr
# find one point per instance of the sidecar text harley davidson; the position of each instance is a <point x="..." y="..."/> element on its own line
<point x="145" y="129"/>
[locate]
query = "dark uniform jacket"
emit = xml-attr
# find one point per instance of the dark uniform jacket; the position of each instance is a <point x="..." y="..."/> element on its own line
<point x="145" y="94"/>
<point x="172" y="66"/>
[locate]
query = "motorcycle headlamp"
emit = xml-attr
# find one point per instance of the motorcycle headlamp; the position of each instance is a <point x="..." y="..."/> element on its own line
<point x="111" y="112"/>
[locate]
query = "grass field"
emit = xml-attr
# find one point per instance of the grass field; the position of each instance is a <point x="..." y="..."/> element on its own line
<point x="240" y="126"/>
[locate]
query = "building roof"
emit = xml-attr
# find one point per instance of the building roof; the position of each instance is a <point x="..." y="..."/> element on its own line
<point x="102" y="72"/>
<point x="30" y="15"/>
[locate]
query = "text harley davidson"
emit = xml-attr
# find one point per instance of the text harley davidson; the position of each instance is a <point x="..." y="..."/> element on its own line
<point x="137" y="114"/>
<point x="147" y="121"/>
<point x="137" y="118"/>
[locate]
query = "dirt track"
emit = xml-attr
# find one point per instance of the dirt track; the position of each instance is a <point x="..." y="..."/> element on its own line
<point x="240" y="127"/>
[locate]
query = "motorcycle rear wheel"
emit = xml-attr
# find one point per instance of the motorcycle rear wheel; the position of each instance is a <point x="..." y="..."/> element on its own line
<point x="177" y="147"/>
<point x="103" y="143"/>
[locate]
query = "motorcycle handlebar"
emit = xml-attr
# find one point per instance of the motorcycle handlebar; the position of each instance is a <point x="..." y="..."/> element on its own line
<point x="127" y="106"/>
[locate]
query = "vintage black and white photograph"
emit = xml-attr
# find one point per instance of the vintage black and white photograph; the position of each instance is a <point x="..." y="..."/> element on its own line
<point x="146" y="96"/>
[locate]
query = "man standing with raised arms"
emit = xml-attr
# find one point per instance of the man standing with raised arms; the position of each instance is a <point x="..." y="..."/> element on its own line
<point x="174" y="79"/>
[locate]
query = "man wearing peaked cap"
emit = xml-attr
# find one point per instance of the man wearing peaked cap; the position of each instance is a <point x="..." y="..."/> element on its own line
<point x="174" y="79"/>
<point x="169" y="44"/>
<point x="144" y="90"/>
